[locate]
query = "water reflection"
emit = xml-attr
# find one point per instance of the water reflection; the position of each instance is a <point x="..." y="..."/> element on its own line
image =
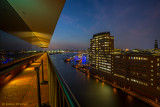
<point x="88" y="76"/>
<point x="92" y="92"/>
<point x="130" y="98"/>
<point x="114" y="90"/>
<point x="97" y="80"/>
<point x="102" y="83"/>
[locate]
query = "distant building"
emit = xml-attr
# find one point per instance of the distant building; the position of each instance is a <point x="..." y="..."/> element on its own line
<point x="156" y="45"/>
<point x="101" y="49"/>
<point x="137" y="70"/>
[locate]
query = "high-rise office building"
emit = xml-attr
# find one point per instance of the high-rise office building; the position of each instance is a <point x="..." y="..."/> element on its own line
<point x="138" y="71"/>
<point x="101" y="49"/>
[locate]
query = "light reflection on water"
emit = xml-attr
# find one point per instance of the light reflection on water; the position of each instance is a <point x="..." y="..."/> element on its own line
<point x="91" y="92"/>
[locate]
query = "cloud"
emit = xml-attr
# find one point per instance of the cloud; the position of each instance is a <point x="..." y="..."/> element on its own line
<point x="134" y="23"/>
<point x="68" y="19"/>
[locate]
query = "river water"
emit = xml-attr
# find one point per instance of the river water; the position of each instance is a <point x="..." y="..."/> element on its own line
<point x="90" y="92"/>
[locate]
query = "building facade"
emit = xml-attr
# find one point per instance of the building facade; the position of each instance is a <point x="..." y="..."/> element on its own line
<point x="101" y="49"/>
<point x="139" y="72"/>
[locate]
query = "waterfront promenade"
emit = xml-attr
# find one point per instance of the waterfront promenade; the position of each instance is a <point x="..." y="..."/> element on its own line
<point x="22" y="90"/>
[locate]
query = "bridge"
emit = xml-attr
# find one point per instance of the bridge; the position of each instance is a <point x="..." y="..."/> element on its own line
<point x="32" y="80"/>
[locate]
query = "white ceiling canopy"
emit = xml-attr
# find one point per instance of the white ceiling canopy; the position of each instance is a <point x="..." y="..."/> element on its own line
<point x="31" y="20"/>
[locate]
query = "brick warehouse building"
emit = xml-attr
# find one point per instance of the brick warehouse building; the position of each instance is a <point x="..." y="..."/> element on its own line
<point x="137" y="71"/>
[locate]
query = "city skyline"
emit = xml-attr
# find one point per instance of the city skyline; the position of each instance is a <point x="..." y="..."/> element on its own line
<point x="136" y="71"/>
<point x="80" y="53"/>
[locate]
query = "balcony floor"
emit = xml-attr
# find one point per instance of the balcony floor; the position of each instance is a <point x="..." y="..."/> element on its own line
<point x="22" y="90"/>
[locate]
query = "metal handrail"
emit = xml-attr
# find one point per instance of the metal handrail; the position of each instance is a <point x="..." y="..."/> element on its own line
<point x="69" y="95"/>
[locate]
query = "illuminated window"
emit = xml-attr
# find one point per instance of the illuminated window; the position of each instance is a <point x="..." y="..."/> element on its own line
<point x="158" y="88"/>
<point x="151" y="65"/>
<point x="151" y="61"/>
<point x="158" y="59"/>
<point x="152" y="75"/>
<point x="151" y="83"/>
<point x="157" y="64"/>
<point x="151" y="70"/>
<point x="144" y="58"/>
<point x="151" y="79"/>
<point x="117" y="56"/>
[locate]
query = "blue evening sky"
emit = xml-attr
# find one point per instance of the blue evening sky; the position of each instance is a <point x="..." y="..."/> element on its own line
<point x="133" y="23"/>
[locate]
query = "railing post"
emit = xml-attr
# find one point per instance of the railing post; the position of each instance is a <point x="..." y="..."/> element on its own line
<point x="64" y="105"/>
<point x="42" y="71"/>
<point x="43" y="82"/>
<point x="38" y="87"/>
<point x="59" y="94"/>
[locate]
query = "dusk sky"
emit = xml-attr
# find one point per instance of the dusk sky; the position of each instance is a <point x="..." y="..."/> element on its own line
<point x="133" y="23"/>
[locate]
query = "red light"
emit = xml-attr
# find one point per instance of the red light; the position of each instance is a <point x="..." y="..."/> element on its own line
<point x="24" y="66"/>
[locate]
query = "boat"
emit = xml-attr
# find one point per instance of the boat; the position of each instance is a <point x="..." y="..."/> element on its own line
<point x="67" y="60"/>
<point x="79" y="60"/>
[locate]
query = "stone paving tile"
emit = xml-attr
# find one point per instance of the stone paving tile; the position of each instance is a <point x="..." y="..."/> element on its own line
<point x="22" y="90"/>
